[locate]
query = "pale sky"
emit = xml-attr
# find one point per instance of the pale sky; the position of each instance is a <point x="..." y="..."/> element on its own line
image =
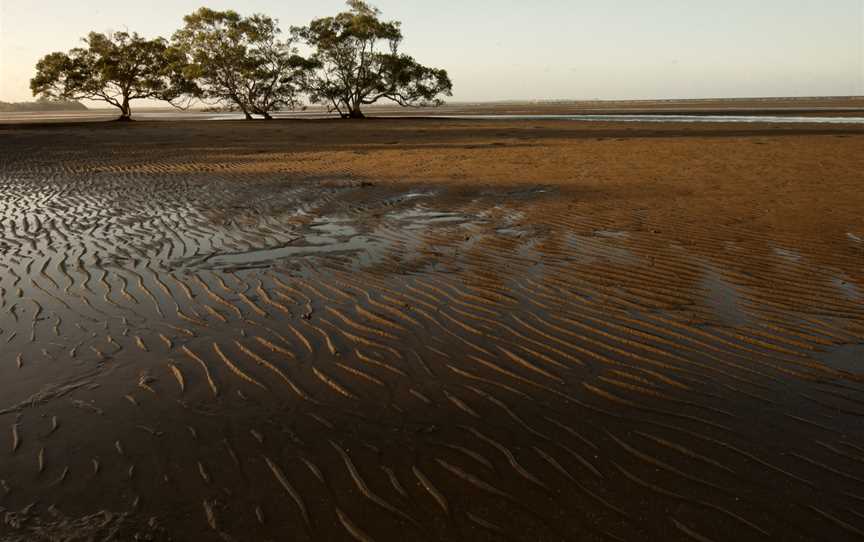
<point x="545" y="49"/>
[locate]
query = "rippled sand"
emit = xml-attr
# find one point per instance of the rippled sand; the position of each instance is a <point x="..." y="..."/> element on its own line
<point x="431" y="330"/>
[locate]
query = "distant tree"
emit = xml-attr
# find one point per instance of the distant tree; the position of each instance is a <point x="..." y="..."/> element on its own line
<point x="240" y="62"/>
<point x="358" y="63"/>
<point x="116" y="68"/>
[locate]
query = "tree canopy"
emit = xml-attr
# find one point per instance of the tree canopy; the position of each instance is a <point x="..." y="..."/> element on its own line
<point x="240" y="62"/>
<point x="246" y="64"/>
<point x="357" y="61"/>
<point x="115" y="68"/>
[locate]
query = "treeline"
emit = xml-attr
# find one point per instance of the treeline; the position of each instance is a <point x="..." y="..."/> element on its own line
<point x="41" y="105"/>
<point x="248" y="64"/>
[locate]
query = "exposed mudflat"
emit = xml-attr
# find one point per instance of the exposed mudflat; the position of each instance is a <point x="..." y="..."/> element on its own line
<point x="760" y="108"/>
<point x="431" y="330"/>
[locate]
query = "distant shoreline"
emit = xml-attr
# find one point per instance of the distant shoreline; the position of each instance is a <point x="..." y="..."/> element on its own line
<point x="41" y="106"/>
<point x="787" y="110"/>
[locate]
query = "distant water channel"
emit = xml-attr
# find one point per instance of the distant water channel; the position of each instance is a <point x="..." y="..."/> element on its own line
<point x="663" y="118"/>
<point x="672" y="118"/>
<point x="106" y="114"/>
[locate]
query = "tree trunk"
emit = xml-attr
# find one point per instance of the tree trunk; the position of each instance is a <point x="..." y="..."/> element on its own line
<point x="248" y="116"/>
<point x="267" y="116"/>
<point x="356" y="113"/>
<point x="125" y="111"/>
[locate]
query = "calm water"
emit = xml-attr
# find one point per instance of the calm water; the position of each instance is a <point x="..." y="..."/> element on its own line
<point x="99" y="114"/>
<point x="672" y="118"/>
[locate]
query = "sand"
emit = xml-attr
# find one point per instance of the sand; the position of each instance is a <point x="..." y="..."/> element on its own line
<point x="429" y="329"/>
<point x="810" y="107"/>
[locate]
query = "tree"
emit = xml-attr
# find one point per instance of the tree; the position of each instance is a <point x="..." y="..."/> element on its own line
<point x="240" y="62"/>
<point x="358" y="63"/>
<point x="116" y="68"/>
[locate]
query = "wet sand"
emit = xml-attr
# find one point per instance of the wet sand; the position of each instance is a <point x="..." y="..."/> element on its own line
<point x="431" y="330"/>
<point x="749" y="107"/>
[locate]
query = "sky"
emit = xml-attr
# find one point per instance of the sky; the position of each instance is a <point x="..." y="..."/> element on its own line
<point x="526" y="50"/>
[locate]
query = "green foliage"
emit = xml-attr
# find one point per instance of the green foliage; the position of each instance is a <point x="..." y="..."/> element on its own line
<point x="357" y="61"/>
<point x="244" y="64"/>
<point x="115" y="68"/>
<point x="239" y="62"/>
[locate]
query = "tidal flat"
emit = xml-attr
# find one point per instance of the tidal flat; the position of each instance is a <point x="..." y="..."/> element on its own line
<point x="431" y="329"/>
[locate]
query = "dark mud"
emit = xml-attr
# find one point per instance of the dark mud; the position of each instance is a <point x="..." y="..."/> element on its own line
<point x="226" y="355"/>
